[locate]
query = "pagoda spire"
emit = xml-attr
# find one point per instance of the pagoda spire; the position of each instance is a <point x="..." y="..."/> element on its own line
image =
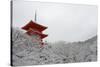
<point x="35" y="16"/>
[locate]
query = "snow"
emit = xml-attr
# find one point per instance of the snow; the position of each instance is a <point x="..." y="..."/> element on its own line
<point x="27" y="52"/>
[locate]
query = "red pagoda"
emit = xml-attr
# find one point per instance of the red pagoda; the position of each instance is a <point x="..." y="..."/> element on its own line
<point x="34" y="28"/>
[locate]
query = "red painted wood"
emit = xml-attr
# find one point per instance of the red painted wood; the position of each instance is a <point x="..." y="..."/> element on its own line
<point x="34" y="25"/>
<point x="35" y="28"/>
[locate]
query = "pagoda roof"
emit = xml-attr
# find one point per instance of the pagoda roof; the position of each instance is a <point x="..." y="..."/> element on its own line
<point x="34" y="25"/>
<point x="31" y="32"/>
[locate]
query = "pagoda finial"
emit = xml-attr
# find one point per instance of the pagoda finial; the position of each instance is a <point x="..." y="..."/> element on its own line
<point x="35" y="16"/>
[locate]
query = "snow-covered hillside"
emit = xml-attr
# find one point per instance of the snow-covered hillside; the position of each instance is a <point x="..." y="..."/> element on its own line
<point x="77" y="51"/>
<point x="27" y="52"/>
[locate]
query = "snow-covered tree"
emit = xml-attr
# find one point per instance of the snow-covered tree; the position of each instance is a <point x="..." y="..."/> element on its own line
<point x="28" y="52"/>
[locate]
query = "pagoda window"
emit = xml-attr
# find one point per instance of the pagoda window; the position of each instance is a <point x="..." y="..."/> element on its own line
<point x="34" y="36"/>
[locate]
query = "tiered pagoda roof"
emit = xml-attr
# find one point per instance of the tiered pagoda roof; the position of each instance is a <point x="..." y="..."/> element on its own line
<point x="35" y="28"/>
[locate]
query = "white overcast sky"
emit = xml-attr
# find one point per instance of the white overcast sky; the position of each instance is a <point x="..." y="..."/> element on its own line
<point x="67" y="22"/>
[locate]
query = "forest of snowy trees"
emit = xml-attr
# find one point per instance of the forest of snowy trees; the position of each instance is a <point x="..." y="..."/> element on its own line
<point x="27" y="52"/>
